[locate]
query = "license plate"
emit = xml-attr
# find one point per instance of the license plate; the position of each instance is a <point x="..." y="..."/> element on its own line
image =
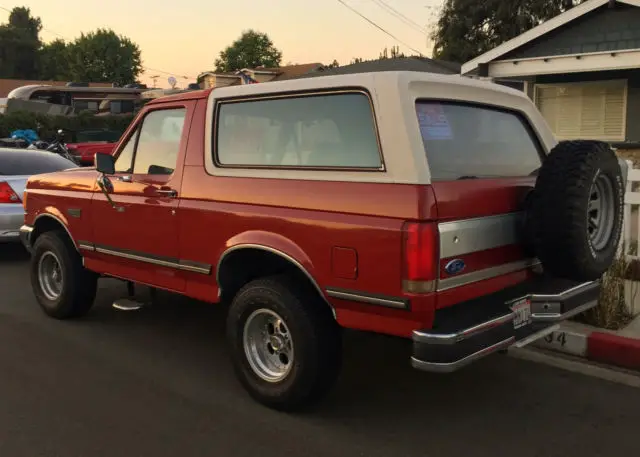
<point x="522" y="310"/>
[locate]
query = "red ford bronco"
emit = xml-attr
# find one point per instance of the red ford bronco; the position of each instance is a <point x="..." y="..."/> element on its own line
<point x="436" y="208"/>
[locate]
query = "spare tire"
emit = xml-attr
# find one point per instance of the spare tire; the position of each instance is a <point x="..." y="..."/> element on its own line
<point x="576" y="211"/>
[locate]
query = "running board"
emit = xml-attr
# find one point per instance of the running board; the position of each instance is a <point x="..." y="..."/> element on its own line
<point x="127" y="304"/>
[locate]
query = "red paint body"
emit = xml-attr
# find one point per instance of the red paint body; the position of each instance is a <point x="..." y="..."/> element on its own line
<point x="346" y="235"/>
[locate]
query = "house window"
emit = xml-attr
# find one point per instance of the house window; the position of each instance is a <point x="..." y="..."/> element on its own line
<point x="593" y="110"/>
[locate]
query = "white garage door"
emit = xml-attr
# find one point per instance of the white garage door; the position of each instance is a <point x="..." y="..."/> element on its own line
<point x="594" y="110"/>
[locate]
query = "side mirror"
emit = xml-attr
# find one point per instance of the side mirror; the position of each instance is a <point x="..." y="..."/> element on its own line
<point x="105" y="163"/>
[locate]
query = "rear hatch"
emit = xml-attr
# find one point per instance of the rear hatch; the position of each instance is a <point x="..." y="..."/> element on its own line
<point x="482" y="162"/>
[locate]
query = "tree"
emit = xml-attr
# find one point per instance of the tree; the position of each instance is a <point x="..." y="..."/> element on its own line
<point x="53" y="62"/>
<point x="19" y="45"/>
<point x="104" y="56"/>
<point x="253" y="49"/>
<point x="395" y="53"/>
<point x="468" y="28"/>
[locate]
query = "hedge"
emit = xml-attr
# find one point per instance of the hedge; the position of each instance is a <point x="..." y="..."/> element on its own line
<point x="84" y="126"/>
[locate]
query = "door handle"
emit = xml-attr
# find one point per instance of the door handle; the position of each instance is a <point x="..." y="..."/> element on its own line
<point x="125" y="178"/>
<point x="167" y="192"/>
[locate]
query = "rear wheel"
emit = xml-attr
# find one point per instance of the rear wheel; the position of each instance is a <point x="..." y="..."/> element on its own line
<point x="285" y="345"/>
<point x="577" y="210"/>
<point x="62" y="286"/>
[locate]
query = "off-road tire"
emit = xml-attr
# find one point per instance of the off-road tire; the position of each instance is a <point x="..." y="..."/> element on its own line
<point x="559" y="209"/>
<point x="316" y="338"/>
<point x="78" y="284"/>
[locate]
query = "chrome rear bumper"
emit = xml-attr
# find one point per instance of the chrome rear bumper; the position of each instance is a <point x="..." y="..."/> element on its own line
<point x="472" y="330"/>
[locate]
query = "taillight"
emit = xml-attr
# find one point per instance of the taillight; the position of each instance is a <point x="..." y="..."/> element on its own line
<point x="7" y="194"/>
<point x="421" y="255"/>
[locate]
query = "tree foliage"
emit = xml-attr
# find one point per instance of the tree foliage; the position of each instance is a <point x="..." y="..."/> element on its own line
<point x="468" y="28"/>
<point x="19" y="45"/>
<point x="100" y="56"/>
<point x="54" y="65"/>
<point x="104" y="56"/>
<point x="253" y="49"/>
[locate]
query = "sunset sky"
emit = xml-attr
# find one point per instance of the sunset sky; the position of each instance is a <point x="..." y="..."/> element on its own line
<point x="184" y="39"/>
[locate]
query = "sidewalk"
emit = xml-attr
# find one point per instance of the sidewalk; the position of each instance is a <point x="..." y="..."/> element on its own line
<point x="620" y="348"/>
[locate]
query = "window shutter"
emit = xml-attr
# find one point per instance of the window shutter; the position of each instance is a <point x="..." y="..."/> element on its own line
<point x="594" y="110"/>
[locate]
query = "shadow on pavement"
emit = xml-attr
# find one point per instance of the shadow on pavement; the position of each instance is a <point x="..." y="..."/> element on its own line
<point x="13" y="252"/>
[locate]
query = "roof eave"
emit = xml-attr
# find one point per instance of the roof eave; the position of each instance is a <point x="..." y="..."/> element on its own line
<point x="536" y="32"/>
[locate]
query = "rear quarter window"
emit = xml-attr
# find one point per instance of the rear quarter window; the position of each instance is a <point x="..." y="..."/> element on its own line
<point x="474" y="141"/>
<point x="333" y="130"/>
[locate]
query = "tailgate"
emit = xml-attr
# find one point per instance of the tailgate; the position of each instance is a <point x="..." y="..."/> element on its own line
<point x="483" y="162"/>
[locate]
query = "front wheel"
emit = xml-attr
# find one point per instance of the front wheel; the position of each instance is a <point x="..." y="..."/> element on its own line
<point x="62" y="286"/>
<point x="285" y="344"/>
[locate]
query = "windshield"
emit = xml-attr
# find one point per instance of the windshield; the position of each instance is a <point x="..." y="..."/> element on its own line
<point x="472" y="141"/>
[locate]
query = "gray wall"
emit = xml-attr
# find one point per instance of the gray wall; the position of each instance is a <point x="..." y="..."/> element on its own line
<point x="601" y="30"/>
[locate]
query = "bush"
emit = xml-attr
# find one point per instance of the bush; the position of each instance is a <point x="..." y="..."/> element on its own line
<point x="612" y="312"/>
<point x="46" y="125"/>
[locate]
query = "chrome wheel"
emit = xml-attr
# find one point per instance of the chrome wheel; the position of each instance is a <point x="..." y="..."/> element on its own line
<point x="50" y="275"/>
<point x="268" y="345"/>
<point x="601" y="212"/>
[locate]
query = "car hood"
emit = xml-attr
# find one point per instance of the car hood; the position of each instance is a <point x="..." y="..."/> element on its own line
<point x="78" y="179"/>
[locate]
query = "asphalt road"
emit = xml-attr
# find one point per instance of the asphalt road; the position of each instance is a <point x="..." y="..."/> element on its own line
<point x="157" y="382"/>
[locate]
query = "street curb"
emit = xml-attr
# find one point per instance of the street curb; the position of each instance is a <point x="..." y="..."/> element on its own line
<point x="597" y="346"/>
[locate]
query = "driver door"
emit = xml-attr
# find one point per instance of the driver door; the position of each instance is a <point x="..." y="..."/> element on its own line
<point x="138" y="238"/>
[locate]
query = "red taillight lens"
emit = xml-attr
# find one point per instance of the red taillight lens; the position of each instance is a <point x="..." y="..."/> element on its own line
<point x="421" y="257"/>
<point x="7" y="194"/>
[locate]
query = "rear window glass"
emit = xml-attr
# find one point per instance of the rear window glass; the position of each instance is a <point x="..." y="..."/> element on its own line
<point x="470" y="141"/>
<point x="26" y="162"/>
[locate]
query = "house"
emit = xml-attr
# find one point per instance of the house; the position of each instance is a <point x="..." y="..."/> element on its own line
<point x="582" y="69"/>
<point x="412" y="63"/>
<point x="210" y="79"/>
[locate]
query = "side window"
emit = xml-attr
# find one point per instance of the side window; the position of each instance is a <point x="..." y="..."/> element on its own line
<point x="159" y="142"/>
<point x="314" y="131"/>
<point x="125" y="158"/>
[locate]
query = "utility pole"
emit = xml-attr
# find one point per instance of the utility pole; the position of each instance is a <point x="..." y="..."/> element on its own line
<point x="154" y="78"/>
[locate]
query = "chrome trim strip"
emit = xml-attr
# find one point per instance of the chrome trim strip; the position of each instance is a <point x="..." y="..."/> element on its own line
<point x="453" y="338"/>
<point x="272" y="251"/>
<point x="369" y="299"/>
<point x="486" y="273"/>
<point x="170" y="263"/>
<point x="556" y="317"/>
<point x="435" y="367"/>
<point x="478" y="234"/>
<point x="195" y="267"/>
<point x="86" y="246"/>
<point x="584" y="285"/>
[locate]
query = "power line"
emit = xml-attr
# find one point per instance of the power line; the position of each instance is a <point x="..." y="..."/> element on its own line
<point x="145" y="69"/>
<point x="378" y="27"/>
<point x="394" y="12"/>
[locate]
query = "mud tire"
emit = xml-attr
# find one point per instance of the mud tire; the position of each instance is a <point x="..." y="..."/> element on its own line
<point x="562" y="215"/>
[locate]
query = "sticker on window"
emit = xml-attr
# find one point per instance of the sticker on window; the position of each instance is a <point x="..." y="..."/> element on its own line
<point x="433" y="122"/>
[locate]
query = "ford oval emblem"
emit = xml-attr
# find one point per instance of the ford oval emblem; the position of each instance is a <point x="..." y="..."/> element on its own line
<point x="455" y="266"/>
